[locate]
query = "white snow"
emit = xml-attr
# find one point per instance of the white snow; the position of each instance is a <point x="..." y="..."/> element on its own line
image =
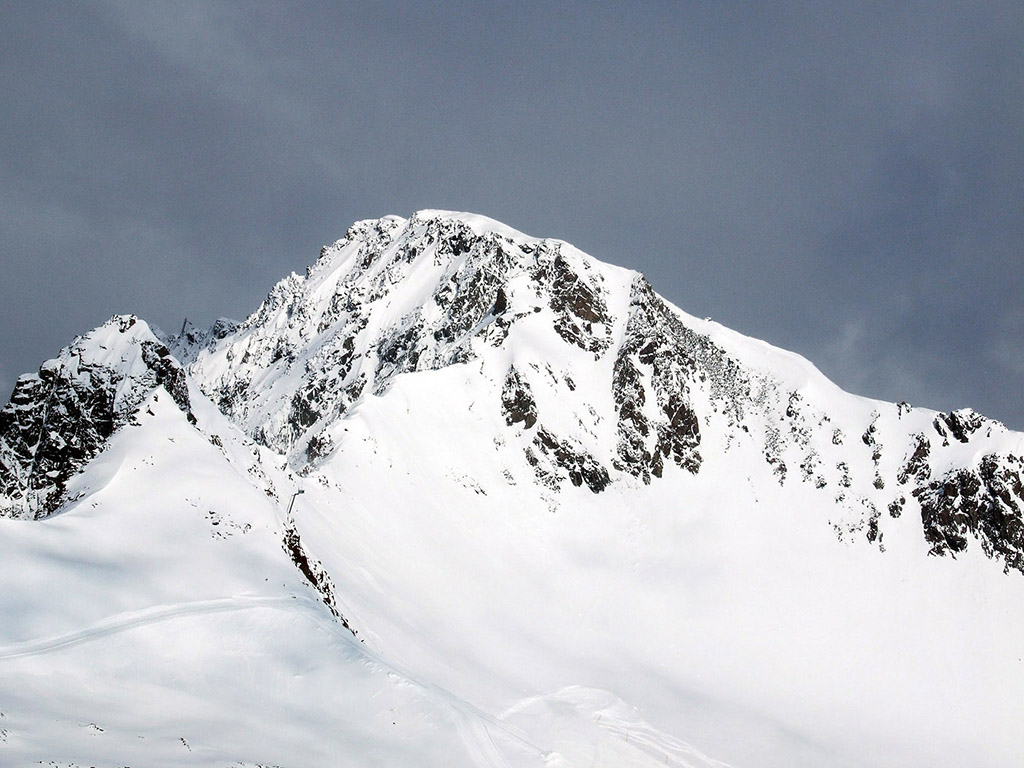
<point x="703" y="620"/>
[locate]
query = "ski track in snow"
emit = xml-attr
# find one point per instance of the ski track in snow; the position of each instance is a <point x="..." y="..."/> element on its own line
<point x="471" y="722"/>
<point x="130" y="619"/>
<point x="663" y="747"/>
<point x="477" y="739"/>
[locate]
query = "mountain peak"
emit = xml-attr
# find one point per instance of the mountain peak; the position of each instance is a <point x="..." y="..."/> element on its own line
<point x="58" y="419"/>
<point x="398" y="295"/>
<point x="598" y="379"/>
<point x="520" y="468"/>
<point x="592" y="375"/>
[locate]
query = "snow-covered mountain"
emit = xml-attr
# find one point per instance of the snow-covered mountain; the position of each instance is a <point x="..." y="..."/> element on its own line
<point x="545" y="518"/>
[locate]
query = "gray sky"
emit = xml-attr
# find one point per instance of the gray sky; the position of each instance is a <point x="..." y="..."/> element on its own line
<point x="845" y="180"/>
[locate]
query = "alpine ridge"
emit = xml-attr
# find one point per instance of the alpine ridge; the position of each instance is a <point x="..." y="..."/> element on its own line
<point x="397" y="296"/>
<point x="473" y="416"/>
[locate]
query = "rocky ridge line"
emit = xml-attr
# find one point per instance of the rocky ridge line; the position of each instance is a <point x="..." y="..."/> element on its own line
<point x="399" y="296"/>
<point x="60" y="418"/>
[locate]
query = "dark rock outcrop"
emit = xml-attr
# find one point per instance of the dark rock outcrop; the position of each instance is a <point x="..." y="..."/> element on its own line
<point x="651" y="378"/>
<point x="60" y="418"/>
<point x="517" y="401"/>
<point x="554" y="459"/>
<point x="314" y="573"/>
<point x="959" y="425"/>
<point x="984" y="502"/>
<point x="916" y="466"/>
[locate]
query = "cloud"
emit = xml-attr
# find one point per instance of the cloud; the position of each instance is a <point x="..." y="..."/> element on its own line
<point x="1007" y="346"/>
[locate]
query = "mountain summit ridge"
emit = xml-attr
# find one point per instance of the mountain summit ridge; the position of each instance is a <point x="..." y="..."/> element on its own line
<point x="396" y="296"/>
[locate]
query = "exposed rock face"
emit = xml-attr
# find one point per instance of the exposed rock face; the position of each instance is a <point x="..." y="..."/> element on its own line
<point x="60" y="418"/>
<point x="916" y="466"/>
<point x="517" y="401"/>
<point x="314" y="573"/>
<point x="167" y="373"/>
<point x="555" y="459"/>
<point x="656" y="356"/>
<point x="984" y="502"/>
<point x="393" y="297"/>
<point x="959" y="424"/>
<point x="581" y="316"/>
<point x="190" y="340"/>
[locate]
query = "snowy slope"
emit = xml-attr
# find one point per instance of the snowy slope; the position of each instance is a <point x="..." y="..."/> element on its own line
<point x="158" y="619"/>
<point x="547" y="519"/>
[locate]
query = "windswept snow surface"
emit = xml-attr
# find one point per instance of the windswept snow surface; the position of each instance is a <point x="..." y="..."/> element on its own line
<point x="507" y="574"/>
<point x="158" y="621"/>
<point x="746" y="628"/>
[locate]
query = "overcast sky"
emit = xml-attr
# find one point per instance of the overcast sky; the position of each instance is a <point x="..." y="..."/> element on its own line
<point x="845" y="180"/>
